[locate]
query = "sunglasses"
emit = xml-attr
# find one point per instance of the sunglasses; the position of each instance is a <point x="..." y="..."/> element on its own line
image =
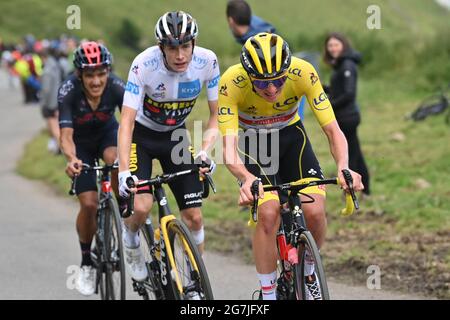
<point x="264" y="84"/>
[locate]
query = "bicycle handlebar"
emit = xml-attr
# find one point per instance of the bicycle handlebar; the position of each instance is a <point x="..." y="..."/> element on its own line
<point x="160" y="179"/>
<point x="87" y="168"/>
<point x="351" y="202"/>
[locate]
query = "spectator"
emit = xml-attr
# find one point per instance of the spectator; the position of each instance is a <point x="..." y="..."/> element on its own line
<point x="339" y="54"/>
<point x="51" y="80"/>
<point x="242" y="23"/>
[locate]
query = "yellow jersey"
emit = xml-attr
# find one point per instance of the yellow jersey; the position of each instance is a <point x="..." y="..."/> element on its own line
<point x="241" y="107"/>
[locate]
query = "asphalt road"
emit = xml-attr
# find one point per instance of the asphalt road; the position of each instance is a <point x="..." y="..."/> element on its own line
<point x="38" y="241"/>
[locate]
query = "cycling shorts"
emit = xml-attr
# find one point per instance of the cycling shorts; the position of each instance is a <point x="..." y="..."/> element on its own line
<point x="173" y="156"/>
<point x="88" y="152"/>
<point x="280" y="156"/>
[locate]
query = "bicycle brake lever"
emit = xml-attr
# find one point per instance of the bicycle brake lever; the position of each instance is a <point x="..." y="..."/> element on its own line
<point x="255" y="191"/>
<point x="349" y="181"/>
<point x="72" y="187"/>
<point x="130" y="202"/>
<point x="211" y="183"/>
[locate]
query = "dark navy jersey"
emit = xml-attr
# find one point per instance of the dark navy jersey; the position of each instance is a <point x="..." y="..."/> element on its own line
<point x="75" y="111"/>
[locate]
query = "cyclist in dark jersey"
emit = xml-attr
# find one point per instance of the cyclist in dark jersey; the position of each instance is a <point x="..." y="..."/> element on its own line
<point x="87" y="101"/>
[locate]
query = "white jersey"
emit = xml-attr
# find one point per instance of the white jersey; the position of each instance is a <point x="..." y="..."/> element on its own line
<point x="163" y="99"/>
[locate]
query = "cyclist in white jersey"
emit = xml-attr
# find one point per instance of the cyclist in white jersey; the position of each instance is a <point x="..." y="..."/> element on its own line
<point x="163" y="84"/>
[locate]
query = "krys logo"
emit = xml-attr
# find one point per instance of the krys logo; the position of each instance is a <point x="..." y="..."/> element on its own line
<point x="318" y="101"/>
<point x="133" y="88"/>
<point x="189" y="89"/>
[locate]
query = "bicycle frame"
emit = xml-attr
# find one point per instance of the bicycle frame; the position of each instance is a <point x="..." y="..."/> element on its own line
<point x="290" y="232"/>
<point x="165" y="216"/>
<point x="104" y="195"/>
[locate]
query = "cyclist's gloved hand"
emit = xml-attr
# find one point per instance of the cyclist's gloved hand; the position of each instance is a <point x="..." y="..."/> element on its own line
<point x="74" y="167"/>
<point x="357" y="180"/>
<point x="124" y="190"/>
<point x="204" y="157"/>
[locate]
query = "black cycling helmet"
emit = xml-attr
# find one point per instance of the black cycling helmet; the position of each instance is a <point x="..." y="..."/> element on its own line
<point x="175" y="28"/>
<point x="265" y="55"/>
<point x="91" y="55"/>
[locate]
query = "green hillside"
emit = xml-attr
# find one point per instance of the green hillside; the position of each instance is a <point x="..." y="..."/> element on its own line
<point x="404" y="227"/>
<point x="303" y="23"/>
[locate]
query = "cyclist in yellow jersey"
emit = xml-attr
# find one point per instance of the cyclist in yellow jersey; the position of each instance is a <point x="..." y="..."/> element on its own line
<point x="258" y="98"/>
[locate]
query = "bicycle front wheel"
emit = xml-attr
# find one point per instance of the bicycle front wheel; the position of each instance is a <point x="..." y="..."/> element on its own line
<point x="114" y="259"/>
<point x="189" y="277"/>
<point x="310" y="281"/>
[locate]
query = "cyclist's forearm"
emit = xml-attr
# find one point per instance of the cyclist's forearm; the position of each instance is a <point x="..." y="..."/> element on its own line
<point x="211" y="133"/>
<point x="232" y="160"/>
<point x="212" y="129"/>
<point x="338" y="145"/>
<point x="67" y="145"/>
<point x="124" y="146"/>
<point x="125" y="135"/>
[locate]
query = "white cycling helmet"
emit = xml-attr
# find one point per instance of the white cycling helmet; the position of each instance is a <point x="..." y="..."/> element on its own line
<point x="175" y="28"/>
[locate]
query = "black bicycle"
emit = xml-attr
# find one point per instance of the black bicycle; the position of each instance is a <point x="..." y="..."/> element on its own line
<point x="433" y="105"/>
<point x="175" y="268"/>
<point x="297" y="248"/>
<point x="107" y="250"/>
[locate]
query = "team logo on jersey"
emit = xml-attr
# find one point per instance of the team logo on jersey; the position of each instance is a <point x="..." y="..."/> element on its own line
<point x="286" y="104"/>
<point x="223" y="90"/>
<point x="215" y="63"/>
<point x="189" y="89"/>
<point x="314" y="78"/>
<point x="318" y="101"/>
<point x="225" y="111"/>
<point x="160" y="87"/>
<point x="161" y="94"/>
<point x="65" y="89"/>
<point x="168" y="105"/>
<point x="199" y="63"/>
<point x="251" y="110"/>
<point x="214" y="82"/>
<point x="240" y="81"/>
<point x="153" y="63"/>
<point x="135" y="69"/>
<point x="295" y="71"/>
<point x="132" y="88"/>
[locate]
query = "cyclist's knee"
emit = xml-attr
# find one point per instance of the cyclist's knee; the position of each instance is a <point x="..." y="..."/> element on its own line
<point x="89" y="206"/>
<point x="142" y="206"/>
<point x="194" y="217"/>
<point x="315" y="214"/>
<point x="268" y="217"/>
<point x="110" y="155"/>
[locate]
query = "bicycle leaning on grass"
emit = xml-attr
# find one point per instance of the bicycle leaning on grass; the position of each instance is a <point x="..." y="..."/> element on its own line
<point x="175" y="267"/>
<point x="107" y="250"/>
<point x="296" y="245"/>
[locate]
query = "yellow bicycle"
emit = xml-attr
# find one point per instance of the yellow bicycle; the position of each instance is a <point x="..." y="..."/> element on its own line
<point x="175" y="267"/>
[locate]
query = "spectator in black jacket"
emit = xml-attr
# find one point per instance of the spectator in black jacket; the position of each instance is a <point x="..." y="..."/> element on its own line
<point x="342" y="94"/>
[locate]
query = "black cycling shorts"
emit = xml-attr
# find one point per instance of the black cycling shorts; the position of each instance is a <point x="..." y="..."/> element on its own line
<point x="88" y="152"/>
<point x="280" y="156"/>
<point x="173" y="156"/>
